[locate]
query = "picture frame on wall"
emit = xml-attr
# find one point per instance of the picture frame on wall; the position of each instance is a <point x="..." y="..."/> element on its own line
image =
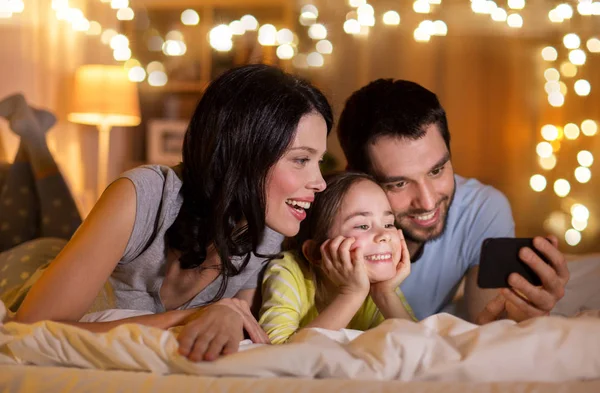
<point x="164" y="141"/>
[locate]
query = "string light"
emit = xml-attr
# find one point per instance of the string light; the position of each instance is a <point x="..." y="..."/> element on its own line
<point x="577" y="57"/>
<point x="516" y="4"/>
<point x="568" y="69"/>
<point x="571" y="131"/>
<point x="572" y="237"/>
<point x="583" y="174"/>
<point x="549" y="53"/>
<point x="537" y="183"/>
<point x="582" y="87"/>
<point x="317" y="32"/>
<point x="562" y="188"/>
<point x="190" y="17"/>
<point x="589" y="127"/>
<point x="580" y="212"/>
<point x="571" y="41"/>
<point x="514" y="21"/>
<point x="315" y="59"/>
<point x="585" y="158"/>
<point x="285" y="51"/>
<point x="391" y="18"/>
<point x="325" y="47"/>
<point x="593" y="45"/>
<point x="547" y="163"/>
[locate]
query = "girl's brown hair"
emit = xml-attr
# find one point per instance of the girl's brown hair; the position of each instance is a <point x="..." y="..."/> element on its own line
<point x="318" y="222"/>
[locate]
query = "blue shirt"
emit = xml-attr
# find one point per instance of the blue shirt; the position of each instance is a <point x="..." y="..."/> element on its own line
<point x="477" y="212"/>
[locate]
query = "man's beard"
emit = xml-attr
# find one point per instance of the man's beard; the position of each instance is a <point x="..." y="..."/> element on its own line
<point x="414" y="236"/>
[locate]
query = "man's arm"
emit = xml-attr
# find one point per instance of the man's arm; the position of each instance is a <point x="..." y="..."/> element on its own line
<point x="492" y="219"/>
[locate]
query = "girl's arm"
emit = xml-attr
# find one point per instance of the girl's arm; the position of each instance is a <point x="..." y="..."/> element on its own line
<point x="391" y="305"/>
<point x="346" y="270"/>
<point x="338" y="314"/>
<point x="284" y="299"/>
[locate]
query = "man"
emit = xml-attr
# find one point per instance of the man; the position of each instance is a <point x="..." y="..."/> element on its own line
<point x="397" y="131"/>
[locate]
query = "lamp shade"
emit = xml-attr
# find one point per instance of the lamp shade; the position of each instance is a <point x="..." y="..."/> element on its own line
<point x="103" y="94"/>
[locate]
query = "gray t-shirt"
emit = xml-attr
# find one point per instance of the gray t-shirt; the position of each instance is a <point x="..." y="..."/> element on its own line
<point x="136" y="281"/>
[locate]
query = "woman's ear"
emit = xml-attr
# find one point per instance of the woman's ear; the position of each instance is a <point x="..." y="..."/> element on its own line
<point x="311" y="251"/>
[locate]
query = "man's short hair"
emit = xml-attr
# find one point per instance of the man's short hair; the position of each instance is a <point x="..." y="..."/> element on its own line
<point x="387" y="108"/>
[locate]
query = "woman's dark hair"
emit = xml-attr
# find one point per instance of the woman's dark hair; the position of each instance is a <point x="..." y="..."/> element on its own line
<point x="242" y="126"/>
<point x="319" y="220"/>
<point x="387" y="107"/>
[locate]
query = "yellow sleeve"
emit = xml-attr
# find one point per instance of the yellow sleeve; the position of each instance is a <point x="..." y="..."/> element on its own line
<point x="284" y="299"/>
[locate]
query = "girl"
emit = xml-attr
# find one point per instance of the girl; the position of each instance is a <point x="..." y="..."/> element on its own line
<point x="346" y="250"/>
<point x="186" y="244"/>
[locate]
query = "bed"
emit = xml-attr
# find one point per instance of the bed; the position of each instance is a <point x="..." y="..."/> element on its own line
<point x="440" y="353"/>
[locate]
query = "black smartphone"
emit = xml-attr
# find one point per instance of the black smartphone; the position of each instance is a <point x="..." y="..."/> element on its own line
<point x="500" y="257"/>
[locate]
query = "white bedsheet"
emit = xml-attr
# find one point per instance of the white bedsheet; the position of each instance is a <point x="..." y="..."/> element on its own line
<point x="440" y="348"/>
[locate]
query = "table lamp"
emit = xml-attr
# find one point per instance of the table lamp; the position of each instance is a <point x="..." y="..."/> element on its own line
<point x="104" y="97"/>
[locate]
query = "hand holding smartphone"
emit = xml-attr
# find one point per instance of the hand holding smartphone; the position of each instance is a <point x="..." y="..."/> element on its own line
<point x="500" y="258"/>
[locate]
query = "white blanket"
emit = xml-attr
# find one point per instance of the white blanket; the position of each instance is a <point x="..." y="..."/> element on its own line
<point x="441" y="348"/>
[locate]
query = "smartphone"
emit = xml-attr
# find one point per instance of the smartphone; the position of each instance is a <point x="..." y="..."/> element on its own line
<point x="500" y="257"/>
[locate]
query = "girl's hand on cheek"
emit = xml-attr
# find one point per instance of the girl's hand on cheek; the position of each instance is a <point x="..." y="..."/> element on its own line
<point x="402" y="271"/>
<point x="345" y="268"/>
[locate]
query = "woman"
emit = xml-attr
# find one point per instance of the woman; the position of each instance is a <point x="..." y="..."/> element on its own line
<point x="187" y="243"/>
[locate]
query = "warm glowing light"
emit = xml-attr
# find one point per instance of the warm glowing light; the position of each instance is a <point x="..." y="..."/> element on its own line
<point x="589" y="127"/>
<point x="267" y="35"/>
<point x="125" y="14"/>
<point x="249" y="22"/>
<point x="579" y="225"/>
<point x="571" y="41"/>
<point x="572" y="237"/>
<point x="119" y="41"/>
<point x="583" y="174"/>
<point x="420" y="35"/>
<point x="95" y="28"/>
<point x="315" y="59"/>
<point x="549" y="132"/>
<point x="562" y="187"/>
<point x="285" y="36"/>
<point x="351" y="26"/>
<point x="556" y="99"/>
<point x="565" y="11"/>
<point x="580" y="212"/>
<point x="220" y="38"/>
<point x="325" y="47"/>
<point x="421" y="7"/>
<point x="157" y="78"/>
<point x="549" y="53"/>
<point x="582" y="87"/>
<point x="571" y="131"/>
<point x="537" y="183"/>
<point x="514" y="21"/>
<point x="585" y="158"/>
<point x="440" y="28"/>
<point x="568" y="69"/>
<point x="551" y="74"/>
<point x="137" y="74"/>
<point x="317" y="32"/>
<point x="577" y="57"/>
<point x="391" y="18"/>
<point x="122" y="53"/>
<point x="499" y="15"/>
<point x="593" y="45"/>
<point x="190" y="17"/>
<point x="285" y="51"/>
<point x="544" y="149"/>
<point x="516" y="4"/>
<point x="237" y="28"/>
<point x="547" y="163"/>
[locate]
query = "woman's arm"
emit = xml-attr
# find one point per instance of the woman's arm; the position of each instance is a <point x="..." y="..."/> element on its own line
<point x="69" y="286"/>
